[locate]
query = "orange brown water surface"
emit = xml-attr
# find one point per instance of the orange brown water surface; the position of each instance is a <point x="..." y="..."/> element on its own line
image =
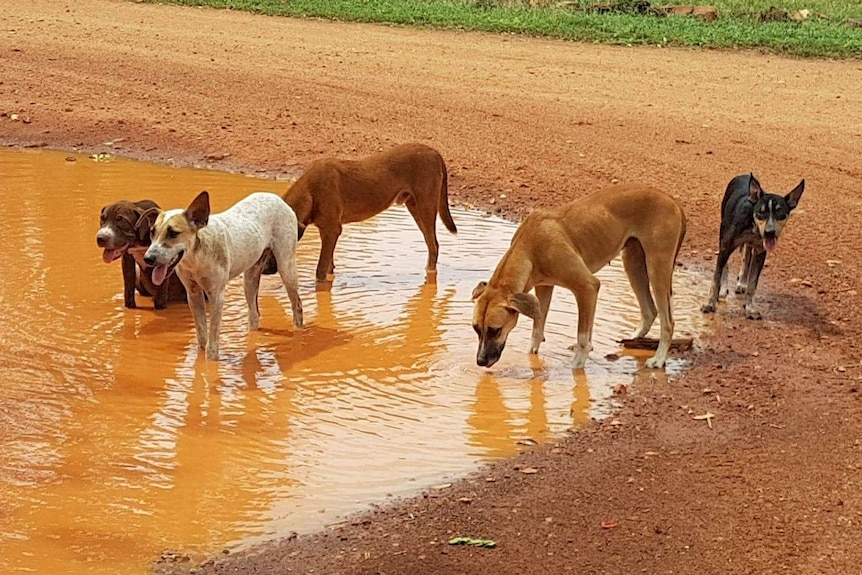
<point x="118" y="440"/>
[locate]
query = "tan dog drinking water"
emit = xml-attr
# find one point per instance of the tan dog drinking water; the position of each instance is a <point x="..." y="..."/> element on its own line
<point x="565" y="247"/>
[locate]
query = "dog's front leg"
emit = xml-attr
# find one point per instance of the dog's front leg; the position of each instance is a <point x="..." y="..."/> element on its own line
<point x="216" y="306"/>
<point x="717" y="279"/>
<point x="745" y="272"/>
<point x="130" y="279"/>
<point x="543" y="293"/>
<point x="755" y="267"/>
<point x="198" y="305"/>
<point x="160" y="299"/>
<point x="587" y="294"/>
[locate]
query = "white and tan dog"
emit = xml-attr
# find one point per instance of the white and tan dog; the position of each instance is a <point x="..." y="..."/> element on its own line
<point x="208" y="251"/>
<point x="565" y="247"/>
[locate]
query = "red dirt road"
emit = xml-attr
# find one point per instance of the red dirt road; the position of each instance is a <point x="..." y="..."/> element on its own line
<point x="774" y="486"/>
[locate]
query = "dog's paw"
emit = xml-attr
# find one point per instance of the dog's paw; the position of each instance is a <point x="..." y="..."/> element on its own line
<point x="753" y="314"/>
<point x="212" y="353"/>
<point x="708" y="307"/>
<point x="535" y="342"/>
<point x="580" y="358"/>
<point x="740" y="289"/>
<point x="130" y="304"/>
<point x="655" y="362"/>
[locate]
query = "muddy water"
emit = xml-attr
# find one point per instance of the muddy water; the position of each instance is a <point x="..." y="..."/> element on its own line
<point x="117" y="441"/>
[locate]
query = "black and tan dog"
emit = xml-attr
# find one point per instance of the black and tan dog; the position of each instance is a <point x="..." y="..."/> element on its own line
<point x="119" y="238"/>
<point x="333" y="192"/>
<point x="751" y="219"/>
<point x="565" y="247"/>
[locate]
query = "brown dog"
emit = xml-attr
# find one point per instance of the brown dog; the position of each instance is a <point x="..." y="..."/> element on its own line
<point x="334" y="192"/>
<point x="119" y="237"/>
<point x="565" y="247"/>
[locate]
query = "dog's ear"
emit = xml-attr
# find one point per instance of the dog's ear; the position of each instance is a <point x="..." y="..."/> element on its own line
<point x="754" y="190"/>
<point x="478" y="290"/>
<point x="198" y="212"/>
<point x="525" y="304"/>
<point x="102" y="213"/>
<point x="794" y="196"/>
<point x="146" y="219"/>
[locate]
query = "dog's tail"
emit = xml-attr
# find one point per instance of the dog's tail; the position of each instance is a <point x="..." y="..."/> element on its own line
<point x="443" y="203"/>
<point x="679" y="241"/>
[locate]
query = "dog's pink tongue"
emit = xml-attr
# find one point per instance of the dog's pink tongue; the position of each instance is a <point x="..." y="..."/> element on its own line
<point x="159" y="274"/>
<point x="769" y="245"/>
<point x="110" y="255"/>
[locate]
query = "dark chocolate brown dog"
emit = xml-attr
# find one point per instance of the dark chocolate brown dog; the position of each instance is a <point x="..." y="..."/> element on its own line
<point x="121" y="235"/>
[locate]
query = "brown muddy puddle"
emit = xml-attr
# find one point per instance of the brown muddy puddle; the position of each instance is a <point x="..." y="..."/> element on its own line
<point x="117" y="442"/>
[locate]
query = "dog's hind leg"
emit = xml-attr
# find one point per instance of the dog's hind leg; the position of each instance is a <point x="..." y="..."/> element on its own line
<point x="634" y="262"/>
<point x="660" y="269"/>
<point x="744" y="271"/>
<point x="287" y="270"/>
<point x="251" y="285"/>
<point x="328" y="239"/>
<point x="755" y="267"/>
<point x="426" y="218"/>
<point x="543" y="294"/>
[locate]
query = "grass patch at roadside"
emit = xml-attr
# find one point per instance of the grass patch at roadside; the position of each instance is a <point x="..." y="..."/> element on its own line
<point x="829" y="30"/>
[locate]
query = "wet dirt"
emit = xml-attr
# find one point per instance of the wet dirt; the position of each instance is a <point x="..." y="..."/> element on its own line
<point x="773" y="486"/>
<point x="135" y="434"/>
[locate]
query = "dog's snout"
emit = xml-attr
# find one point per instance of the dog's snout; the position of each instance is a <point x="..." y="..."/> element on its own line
<point x="103" y="236"/>
<point x="488" y="355"/>
<point x="149" y="259"/>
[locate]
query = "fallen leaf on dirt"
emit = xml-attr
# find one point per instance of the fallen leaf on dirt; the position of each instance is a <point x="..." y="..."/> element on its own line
<point x="527" y="441"/>
<point x="707" y="416"/>
<point x="616" y="422"/>
<point x="833" y="263"/>
<point x="465" y="500"/>
<point x="442" y="486"/>
<point x="528" y="470"/>
<point x="472" y="542"/>
<point x="609" y="524"/>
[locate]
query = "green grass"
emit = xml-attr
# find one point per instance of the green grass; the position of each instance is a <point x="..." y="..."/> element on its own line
<point x="738" y="26"/>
